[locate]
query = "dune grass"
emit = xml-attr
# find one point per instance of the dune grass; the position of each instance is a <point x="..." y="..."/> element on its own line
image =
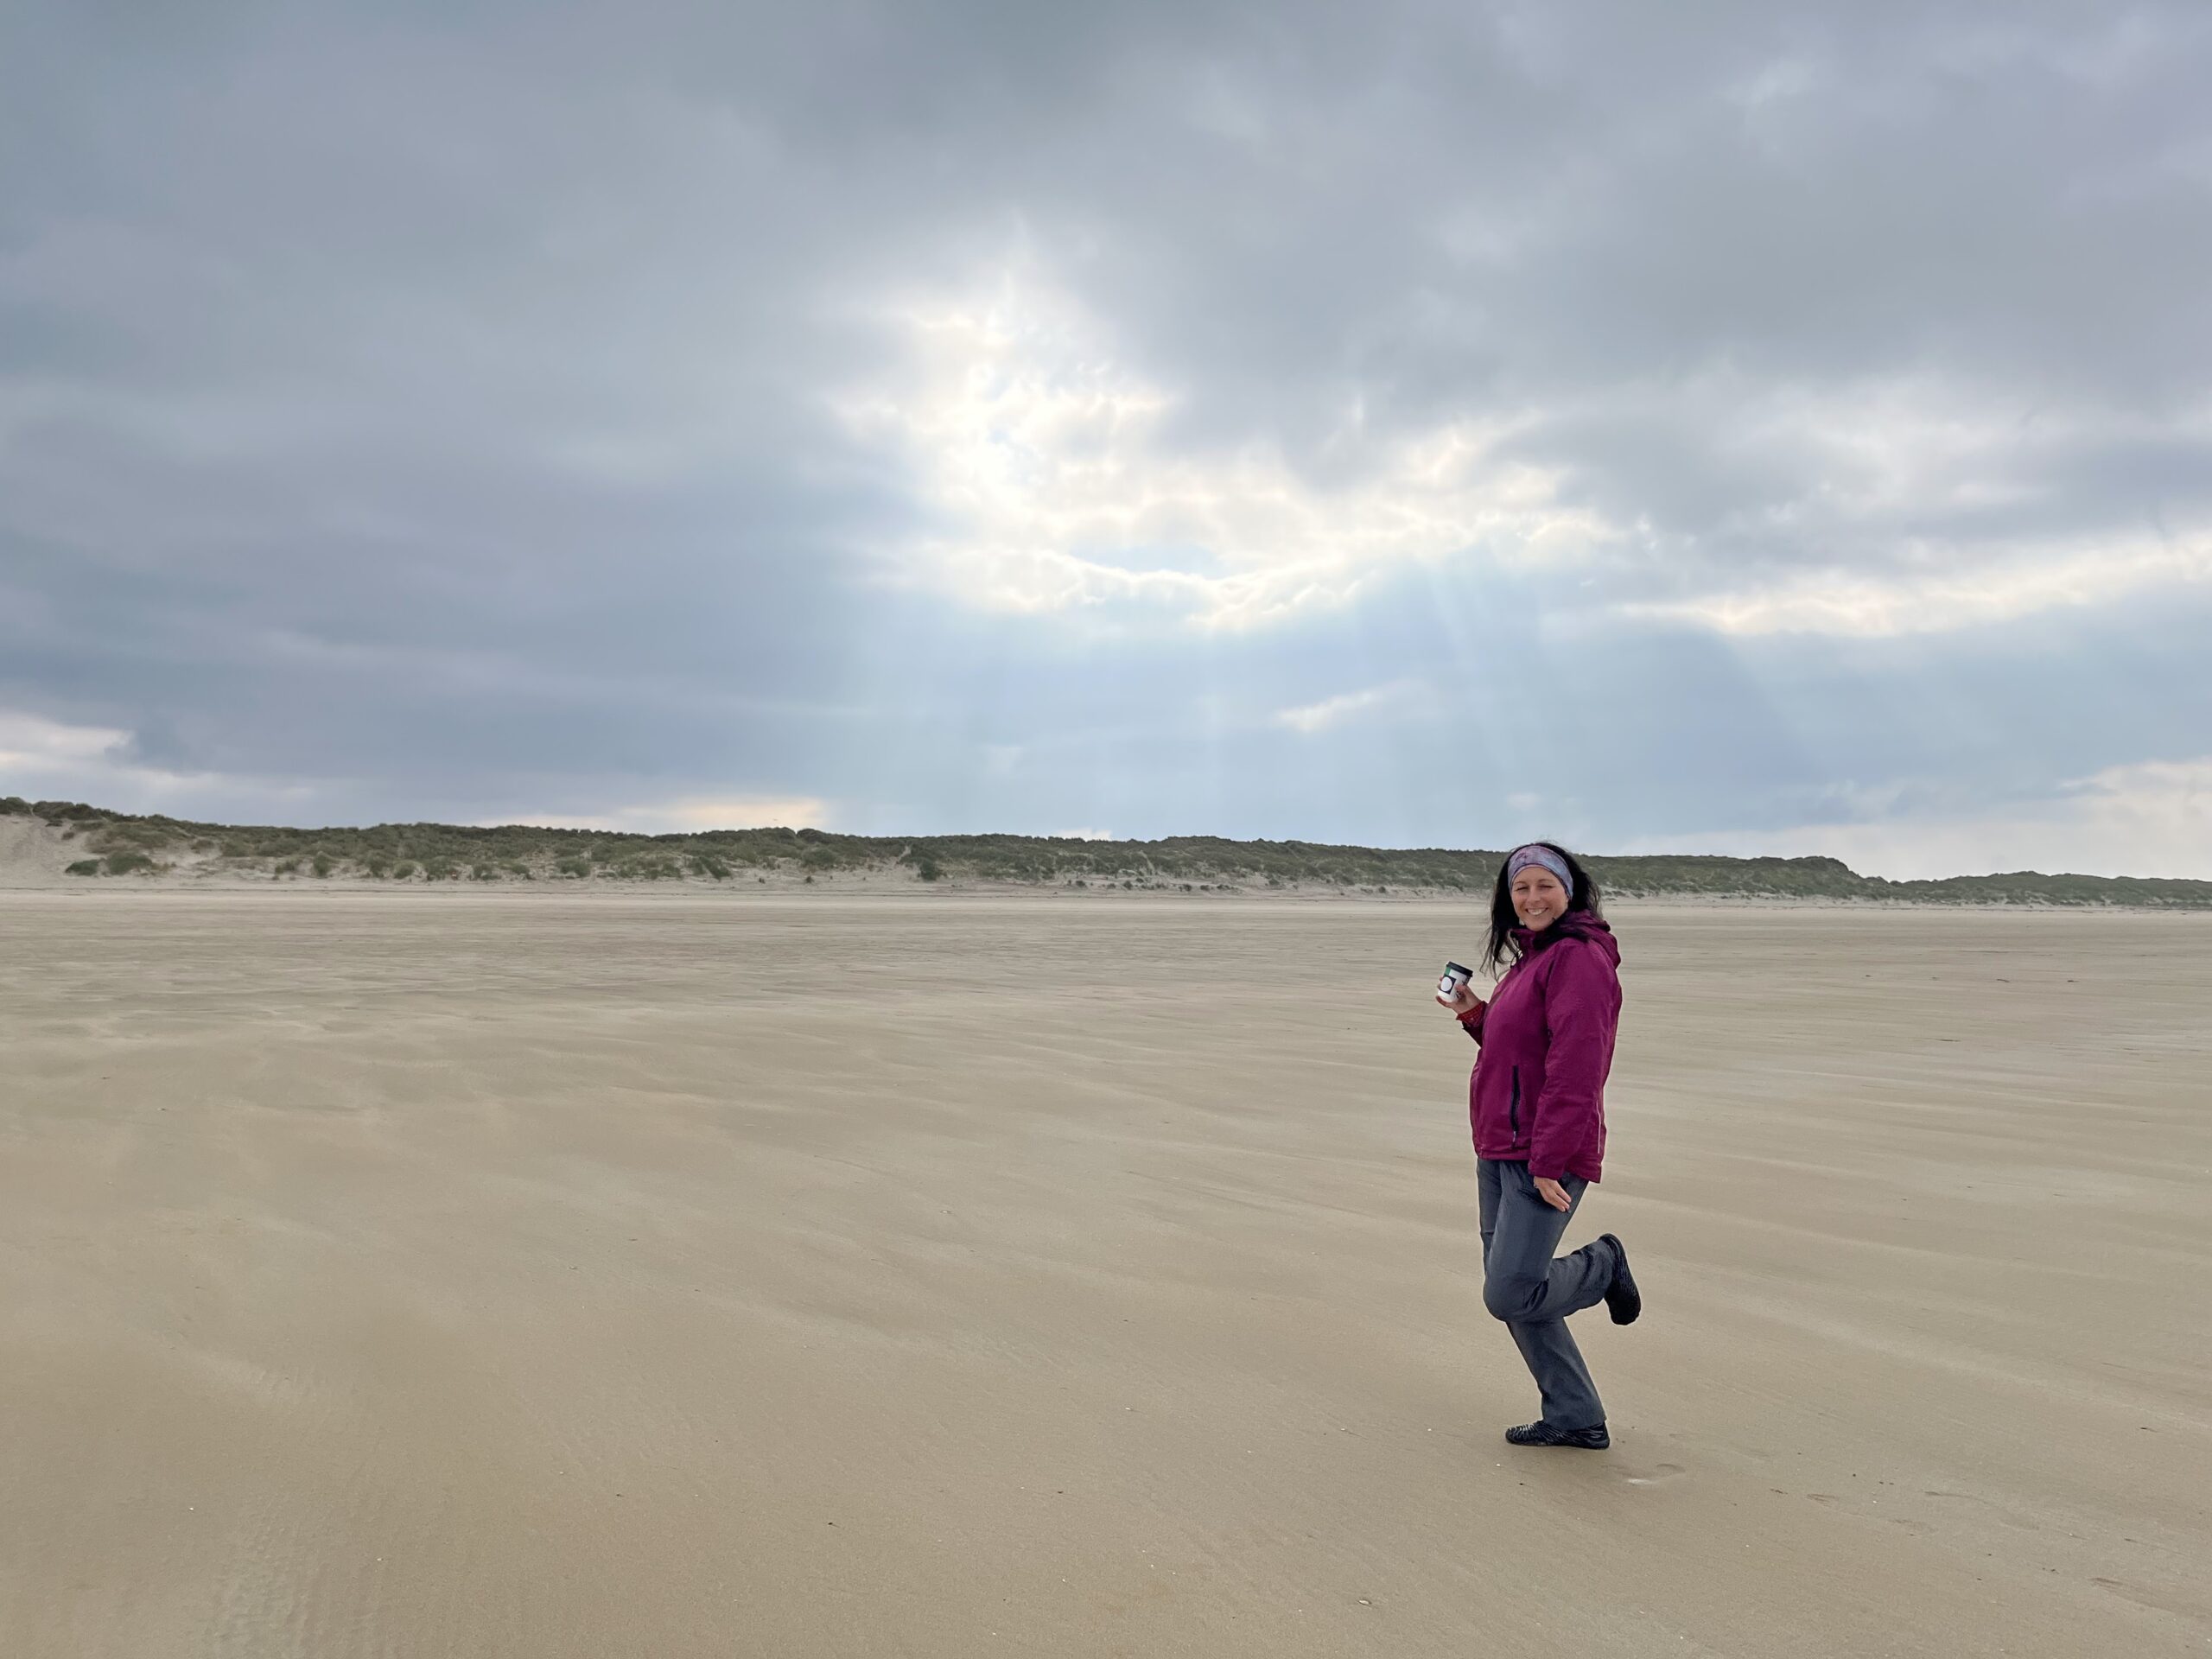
<point x="444" y="852"/>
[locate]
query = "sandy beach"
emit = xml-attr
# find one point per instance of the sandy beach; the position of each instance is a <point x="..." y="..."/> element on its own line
<point x="535" y="1275"/>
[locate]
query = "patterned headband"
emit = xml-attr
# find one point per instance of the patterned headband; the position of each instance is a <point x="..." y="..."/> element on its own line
<point x="1535" y="854"/>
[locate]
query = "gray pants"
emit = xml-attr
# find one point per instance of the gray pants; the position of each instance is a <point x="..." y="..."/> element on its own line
<point x="1534" y="1294"/>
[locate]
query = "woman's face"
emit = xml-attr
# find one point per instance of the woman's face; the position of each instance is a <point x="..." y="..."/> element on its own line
<point x="1538" y="898"/>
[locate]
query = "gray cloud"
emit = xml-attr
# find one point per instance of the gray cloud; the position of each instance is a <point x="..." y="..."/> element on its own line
<point x="439" y="409"/>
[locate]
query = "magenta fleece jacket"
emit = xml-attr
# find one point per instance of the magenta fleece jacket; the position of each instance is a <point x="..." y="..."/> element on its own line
<point x="1538" y="1092"/>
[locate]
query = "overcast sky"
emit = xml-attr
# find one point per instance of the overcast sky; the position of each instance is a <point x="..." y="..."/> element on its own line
<point x="1762" y="427"/>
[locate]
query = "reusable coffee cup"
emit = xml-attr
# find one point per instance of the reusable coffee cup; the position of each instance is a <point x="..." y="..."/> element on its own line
<point x="1454" y="977"/>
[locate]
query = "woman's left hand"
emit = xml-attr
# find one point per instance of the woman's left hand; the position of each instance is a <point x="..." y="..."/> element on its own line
<point x="1553" y="1193"/>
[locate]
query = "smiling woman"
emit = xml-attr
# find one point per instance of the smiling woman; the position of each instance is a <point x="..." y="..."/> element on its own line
<point x="1537" y="1102"/>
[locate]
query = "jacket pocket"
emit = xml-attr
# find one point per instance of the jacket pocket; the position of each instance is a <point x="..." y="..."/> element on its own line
<point x="1513" y="1108"/>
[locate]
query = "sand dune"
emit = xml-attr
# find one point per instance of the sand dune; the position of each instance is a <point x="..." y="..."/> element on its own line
<point x="484" y="1275"/>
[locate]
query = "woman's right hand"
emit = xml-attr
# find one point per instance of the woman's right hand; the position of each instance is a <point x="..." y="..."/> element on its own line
<point x="1462" y="1002"/>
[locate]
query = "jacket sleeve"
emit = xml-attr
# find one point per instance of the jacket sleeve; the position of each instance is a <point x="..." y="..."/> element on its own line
<point x="1472" y="1021"/>
<point x="1582" y="1000"/>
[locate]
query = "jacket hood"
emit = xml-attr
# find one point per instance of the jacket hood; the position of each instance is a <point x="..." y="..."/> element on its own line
<point x="1575" y="924"/>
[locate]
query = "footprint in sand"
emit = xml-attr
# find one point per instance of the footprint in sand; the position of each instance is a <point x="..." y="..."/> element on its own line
<point x="1660" y="1472"/>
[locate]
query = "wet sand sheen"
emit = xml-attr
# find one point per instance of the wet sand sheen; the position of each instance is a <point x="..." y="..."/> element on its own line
<point x="536" y="1275"/>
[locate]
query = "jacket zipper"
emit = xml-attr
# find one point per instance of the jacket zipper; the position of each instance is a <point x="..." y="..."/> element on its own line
<point x="1513" y="1110"/>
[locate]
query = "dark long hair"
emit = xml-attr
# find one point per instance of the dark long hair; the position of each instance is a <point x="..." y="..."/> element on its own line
<point x="1503" y="950"/>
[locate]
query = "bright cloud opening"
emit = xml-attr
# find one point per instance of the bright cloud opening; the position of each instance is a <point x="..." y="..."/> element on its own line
<point x="1044" y="457"/>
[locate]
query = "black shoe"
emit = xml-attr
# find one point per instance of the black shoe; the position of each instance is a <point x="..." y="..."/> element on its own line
<point x="1622" y="1300"/>
<point x="1540" y="1433"/>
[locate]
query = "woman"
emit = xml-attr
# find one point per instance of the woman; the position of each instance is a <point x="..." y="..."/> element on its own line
<point x="1538" y="1101"/>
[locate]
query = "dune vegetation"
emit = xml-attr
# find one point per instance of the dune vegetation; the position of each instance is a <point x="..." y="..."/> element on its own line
<point x="116" y="844"/>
